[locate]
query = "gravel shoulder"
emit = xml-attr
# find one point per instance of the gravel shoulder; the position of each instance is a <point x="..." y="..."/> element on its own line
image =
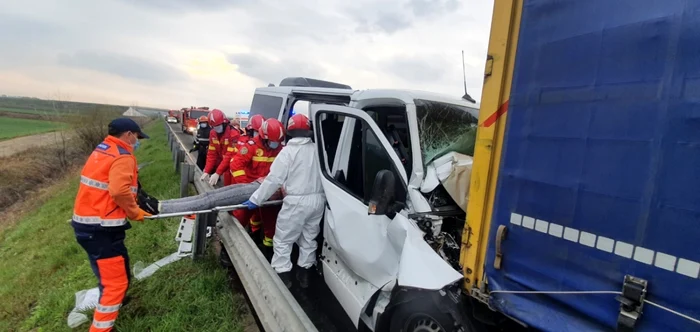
<point x="19" y="144"/>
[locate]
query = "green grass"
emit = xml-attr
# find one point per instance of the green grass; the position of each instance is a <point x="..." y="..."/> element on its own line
<point x="42" y="266"/>
<point x="14" y="127"/>
<point x="27" y="111"/>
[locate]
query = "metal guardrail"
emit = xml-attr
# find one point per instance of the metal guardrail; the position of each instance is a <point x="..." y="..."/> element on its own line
<point x="276" y="308"/>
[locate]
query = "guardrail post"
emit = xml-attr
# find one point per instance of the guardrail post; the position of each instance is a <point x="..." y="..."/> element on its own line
<point x="179" y="158"/>
<point x="199" y="235"/>
<point x="185" y="170"/>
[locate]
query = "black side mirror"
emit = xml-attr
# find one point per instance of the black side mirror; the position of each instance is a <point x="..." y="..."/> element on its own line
<point x="382" y="197"/>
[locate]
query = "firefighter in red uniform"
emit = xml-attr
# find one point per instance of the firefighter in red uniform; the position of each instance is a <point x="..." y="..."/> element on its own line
<point x="106" y="200"/>
<point x="218" y="144"/>
<point x="235" y="139"/>
<point x="254" y="124"/>
<point x="253" y="162"/>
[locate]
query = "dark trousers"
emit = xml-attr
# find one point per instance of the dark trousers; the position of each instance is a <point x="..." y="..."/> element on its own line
<point x="109" y="260"/>
<point x="202" y="156"/>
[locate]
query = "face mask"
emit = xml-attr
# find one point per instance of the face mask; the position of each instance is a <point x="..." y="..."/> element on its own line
<point x="273" y="145"/>
<point x="219" y="129"/>
<point x="203" y="125"/>
<point x="137" y="143"/>
<point x="255" y="134"/>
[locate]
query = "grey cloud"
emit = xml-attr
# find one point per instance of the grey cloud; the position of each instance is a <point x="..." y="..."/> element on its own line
<point x="123" y="65"/>
<point x="186" y="5"/>
<point x="416" y="69"/>
<point x="269" y="71"/>
<point x="385" y="22"/>
<point x="428" y="8"/>
<point x="391" y="18"/>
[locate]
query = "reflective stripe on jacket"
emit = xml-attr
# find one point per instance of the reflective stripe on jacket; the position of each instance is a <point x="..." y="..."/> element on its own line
<point x="218" y="144"/>
<point x="100" y="203"/>
<point x="252" y="161"/>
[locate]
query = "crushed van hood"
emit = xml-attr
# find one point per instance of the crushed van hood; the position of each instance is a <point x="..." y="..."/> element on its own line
<point x="452" y="171"/>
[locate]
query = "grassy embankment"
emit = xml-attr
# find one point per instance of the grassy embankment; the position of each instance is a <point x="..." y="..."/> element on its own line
<point x="15" y="127"/>
<point x="41" y="265"/>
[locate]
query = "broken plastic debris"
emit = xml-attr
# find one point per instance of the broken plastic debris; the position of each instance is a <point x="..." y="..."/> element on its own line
<point x="142" y="272"/>
<point x="85" y="300"/>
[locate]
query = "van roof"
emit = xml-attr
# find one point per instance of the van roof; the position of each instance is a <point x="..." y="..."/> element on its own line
<point x="408" y="96"/>
<point x="303" y="89"/>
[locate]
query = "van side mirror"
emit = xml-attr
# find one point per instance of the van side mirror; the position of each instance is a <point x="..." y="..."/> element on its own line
<point x="382" y="197"/>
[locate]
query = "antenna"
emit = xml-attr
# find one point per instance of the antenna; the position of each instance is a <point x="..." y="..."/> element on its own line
<point x="466" y="96"/>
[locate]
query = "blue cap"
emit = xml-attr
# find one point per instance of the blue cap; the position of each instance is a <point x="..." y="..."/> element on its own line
<point x="121" y="125"/>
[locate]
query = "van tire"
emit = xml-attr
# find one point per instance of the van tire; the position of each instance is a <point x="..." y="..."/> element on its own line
<point x="421" y="315"/>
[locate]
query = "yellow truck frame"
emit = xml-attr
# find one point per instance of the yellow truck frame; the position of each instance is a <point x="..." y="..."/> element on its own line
<point x="498" y="75"/>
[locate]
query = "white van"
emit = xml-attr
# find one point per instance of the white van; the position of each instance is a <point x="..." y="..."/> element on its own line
<point x="392" y="227"/>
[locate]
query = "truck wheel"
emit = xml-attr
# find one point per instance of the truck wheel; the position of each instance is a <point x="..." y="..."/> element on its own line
<point x="421" y="315"/>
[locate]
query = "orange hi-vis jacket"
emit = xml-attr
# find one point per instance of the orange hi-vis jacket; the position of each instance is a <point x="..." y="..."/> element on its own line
<point x="108" y="186"/>
<point x="252" y="161"/>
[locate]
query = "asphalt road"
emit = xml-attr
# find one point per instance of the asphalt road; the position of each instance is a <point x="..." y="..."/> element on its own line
<point x="317" y="301"/>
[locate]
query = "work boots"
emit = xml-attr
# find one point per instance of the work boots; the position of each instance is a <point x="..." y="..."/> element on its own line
<point x="303" y="277"/>
<point x="286" y="278"/>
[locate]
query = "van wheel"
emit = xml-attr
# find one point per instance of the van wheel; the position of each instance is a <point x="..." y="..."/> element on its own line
<point x="421" y="316"/>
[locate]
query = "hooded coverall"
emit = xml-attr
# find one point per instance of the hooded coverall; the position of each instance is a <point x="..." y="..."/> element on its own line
<point x="218" y="144"/>
<point x="296" y="170"/>
<point x="252" y="162"/>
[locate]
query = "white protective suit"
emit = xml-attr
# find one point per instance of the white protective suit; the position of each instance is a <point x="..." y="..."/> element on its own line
<point x="297" y="171"/>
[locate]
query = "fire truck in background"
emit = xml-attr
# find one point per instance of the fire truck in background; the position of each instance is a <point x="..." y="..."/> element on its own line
<point x="190" y="116"/>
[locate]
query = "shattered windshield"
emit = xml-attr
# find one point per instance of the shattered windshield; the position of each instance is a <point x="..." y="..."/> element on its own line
<point x="444" y="128"/>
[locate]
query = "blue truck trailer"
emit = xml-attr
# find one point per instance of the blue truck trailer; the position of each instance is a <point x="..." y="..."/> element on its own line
<point x="584" y="203"/>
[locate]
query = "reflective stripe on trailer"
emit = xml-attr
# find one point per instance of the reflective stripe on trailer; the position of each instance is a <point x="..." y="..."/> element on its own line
<point x="105" y="309"/>
<point x="99" y="221"/>
<point x="658" y="259"/>
<point x="264" y="159"/>
<point x="93" y="183"/>
<point x="103" y="324"/>
<point x="237" y="173"/>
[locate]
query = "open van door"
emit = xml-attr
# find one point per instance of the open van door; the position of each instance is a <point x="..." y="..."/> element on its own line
<point x="365" y="186"/>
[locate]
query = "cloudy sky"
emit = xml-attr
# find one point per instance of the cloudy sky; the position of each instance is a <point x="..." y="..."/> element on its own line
<point x="177" y="53"/>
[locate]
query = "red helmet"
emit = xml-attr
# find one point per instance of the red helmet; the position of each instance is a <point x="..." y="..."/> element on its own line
<point x="298" y="122"/>
<point x="202" y="119"/>
<point x="272" y="130"/>
<point x="217" y="117"/>
<point x="255" y="122"/>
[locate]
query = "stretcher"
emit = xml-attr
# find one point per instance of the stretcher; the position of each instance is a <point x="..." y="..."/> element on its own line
<point x="214" y="209"/>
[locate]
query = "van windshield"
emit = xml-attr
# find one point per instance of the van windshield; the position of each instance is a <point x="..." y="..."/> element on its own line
<point x="267" y="106"/>
<point x="444" y="128"/>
